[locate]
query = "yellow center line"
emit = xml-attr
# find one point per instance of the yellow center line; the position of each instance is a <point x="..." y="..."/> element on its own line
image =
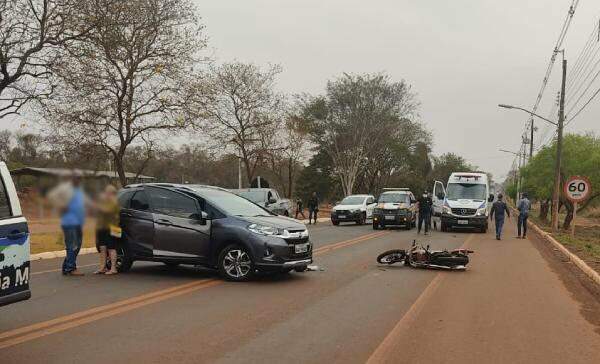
<point x="59" y="324"/>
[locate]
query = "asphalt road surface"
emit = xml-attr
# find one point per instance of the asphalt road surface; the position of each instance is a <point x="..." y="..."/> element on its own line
<point x="512" y="305"/>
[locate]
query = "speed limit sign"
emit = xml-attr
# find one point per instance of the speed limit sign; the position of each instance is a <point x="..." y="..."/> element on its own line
<point x="578" y="189"/>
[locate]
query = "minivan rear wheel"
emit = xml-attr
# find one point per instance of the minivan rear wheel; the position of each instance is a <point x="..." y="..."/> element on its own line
<point x="235" y="263"/>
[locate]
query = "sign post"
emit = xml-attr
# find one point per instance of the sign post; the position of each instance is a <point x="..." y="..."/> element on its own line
<point x="577" y="189"/>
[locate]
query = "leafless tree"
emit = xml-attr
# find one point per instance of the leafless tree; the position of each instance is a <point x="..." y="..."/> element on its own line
<point x="125" y="83"/>
<point x="31" y="34"/>
<point x="242" y="110"/>
<point x="292" y="148"/>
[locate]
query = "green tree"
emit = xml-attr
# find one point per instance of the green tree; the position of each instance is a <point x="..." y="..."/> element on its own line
<point x="355" y="119"/>
<point x="447" y="163"/>
<point x="581" y="156"/>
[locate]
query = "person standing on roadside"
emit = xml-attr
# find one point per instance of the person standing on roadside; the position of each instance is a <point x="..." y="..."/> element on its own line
<point x="108" y="231"/>
<point x="72" y="220"/>
<point x="299" y="208"/>
<point x="499" y="208"/>
<point x="523" y="205"/>
<point x="425" y="206"/>
<point x="313" y="208"/>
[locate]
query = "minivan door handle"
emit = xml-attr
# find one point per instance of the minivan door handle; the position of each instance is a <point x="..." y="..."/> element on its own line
<point x="164" y="222"/>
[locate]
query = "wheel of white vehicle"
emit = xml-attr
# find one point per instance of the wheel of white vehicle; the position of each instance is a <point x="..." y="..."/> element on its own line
<point x="235" y="263"/>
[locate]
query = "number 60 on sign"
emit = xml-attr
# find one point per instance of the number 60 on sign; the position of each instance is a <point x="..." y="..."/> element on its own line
<point x="577" y="189"/>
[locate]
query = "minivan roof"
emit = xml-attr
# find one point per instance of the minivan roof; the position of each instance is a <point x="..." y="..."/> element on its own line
<point x="177" y="185"/>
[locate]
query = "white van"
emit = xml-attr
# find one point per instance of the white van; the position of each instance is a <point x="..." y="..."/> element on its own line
<point x="465" y="202"/>
<point x="14" y="244"/>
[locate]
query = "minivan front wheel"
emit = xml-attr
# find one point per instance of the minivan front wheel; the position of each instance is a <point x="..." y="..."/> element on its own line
<point x="124" y="261"/>
<point x="235" y="263"/>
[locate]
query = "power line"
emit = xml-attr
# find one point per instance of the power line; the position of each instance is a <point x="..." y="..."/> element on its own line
<point x="557" y="48"/>
<point x="583" y="107"/>
<point x="582" y="58"/>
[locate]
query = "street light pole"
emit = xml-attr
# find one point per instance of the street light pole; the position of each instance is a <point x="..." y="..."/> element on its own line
<point x="559" y="142"/>
<point x="517" y="173"/>
<point x="240" y="173"/>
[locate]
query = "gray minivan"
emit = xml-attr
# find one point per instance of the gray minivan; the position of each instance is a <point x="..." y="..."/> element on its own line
<point x="209" y="226"/>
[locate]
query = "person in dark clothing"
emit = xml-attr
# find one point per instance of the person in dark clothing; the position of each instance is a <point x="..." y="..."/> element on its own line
<point x="499" y="208"/>
<point x="425" y="209"/>
<point x="313" y="208"/>
<point x="299" y="208"/>
<point x="524" y="205"/>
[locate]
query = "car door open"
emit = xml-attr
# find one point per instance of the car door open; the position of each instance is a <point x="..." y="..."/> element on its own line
<point x="181" y="229"/>
<point x="439" y="195"/>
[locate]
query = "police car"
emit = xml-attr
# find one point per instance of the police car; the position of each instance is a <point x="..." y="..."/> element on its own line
<point x="14" y="244"/>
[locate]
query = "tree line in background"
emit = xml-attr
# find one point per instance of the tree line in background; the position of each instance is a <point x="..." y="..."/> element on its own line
<point x="581" y="156"/>
<point x="118" y="80"/>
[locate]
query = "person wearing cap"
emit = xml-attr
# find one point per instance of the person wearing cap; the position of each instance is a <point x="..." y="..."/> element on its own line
<point x="523" y="205"/>
<point x="499" y="208"/>
<point x="425" y="207"/>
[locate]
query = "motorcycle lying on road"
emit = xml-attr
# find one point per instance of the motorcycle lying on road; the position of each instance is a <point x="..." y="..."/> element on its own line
<point x="420" y="257"/>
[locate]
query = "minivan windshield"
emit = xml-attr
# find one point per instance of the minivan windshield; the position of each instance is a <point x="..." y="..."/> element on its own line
<point x="466" y="191"/>
<point x="231" y="204"/>
<point x="353" y="200"/>
<point x="254" y="196"/>
<point x="394" y="198"/>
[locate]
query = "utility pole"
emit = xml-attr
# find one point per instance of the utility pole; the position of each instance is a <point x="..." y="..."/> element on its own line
<point x="531" y="141"/>
<point x="559" y="141"/>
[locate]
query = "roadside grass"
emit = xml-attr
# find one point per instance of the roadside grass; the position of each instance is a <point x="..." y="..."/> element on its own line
<point x="586" y="241"/>
<point x="51" y="241"/>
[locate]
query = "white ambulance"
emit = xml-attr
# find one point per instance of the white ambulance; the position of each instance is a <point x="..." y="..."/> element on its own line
<point x="465" y="202"/>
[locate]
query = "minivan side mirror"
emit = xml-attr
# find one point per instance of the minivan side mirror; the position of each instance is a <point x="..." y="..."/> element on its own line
<point x="201" y="217"/>
<point x="271" y="200"/>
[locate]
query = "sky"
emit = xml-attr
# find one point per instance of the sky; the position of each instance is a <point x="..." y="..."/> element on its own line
<point x="462" y="58"/>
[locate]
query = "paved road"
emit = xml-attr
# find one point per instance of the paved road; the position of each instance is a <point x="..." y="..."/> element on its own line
<point x="511" y="306"/>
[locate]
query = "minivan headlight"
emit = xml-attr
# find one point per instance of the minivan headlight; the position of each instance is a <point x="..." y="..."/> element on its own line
<point x="482" y="212"/>
<point x="446" y="210"/>
<point x="264" y="229"/>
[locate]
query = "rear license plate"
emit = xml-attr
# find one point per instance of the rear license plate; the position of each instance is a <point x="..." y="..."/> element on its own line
<point x="387" y="217"/>
<point x="301" y="248"/>
<point x="341" y="216"/>
<point x="463" y="222"/>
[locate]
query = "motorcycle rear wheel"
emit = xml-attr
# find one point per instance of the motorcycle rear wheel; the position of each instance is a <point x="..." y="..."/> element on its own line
<point x="391" y="256"/>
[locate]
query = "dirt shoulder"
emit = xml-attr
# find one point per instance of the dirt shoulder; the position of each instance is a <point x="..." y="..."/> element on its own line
<point x="585" y="245"/>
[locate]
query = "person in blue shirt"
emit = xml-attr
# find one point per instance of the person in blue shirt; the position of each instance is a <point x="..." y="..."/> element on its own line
<point x="499" y="208"/>
<point x="72" y="220"/>
<point x="524" y="205"/>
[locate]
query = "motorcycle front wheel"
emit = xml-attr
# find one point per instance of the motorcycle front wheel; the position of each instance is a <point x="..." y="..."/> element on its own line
<point x="391" y="256"/>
